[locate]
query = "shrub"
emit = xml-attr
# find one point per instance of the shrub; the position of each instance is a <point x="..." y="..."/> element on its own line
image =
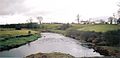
<point x="112" y="37"/>
<point x="17" y="28"/>
<point x="29" y="32"/>
<point x="88" y="36"/>
<point x="64" y="26"/>
<point x="107" y="38"/>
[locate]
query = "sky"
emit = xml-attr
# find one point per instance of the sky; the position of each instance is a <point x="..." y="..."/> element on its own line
<point x="18" y="11"/>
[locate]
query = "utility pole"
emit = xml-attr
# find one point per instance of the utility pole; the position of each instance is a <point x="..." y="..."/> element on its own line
<point x="78" y="19"/>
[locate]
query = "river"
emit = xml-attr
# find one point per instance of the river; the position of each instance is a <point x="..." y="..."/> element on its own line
<point x="51" y="42"/>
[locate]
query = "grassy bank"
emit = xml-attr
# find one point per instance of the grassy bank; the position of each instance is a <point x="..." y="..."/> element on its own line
<point x="15" y="38"/>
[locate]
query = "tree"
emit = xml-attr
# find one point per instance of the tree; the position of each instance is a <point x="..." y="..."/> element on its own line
<point x="102" y="21"/>
<point x="118" y="21"/>
<point x="30" y="20"/>
<point x="64" y="26"/>
<point x="110" y="19"/>
<point x="40" y="19"/>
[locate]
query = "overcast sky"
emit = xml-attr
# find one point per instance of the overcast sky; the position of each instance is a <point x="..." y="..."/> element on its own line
<point x="17" y="11"/>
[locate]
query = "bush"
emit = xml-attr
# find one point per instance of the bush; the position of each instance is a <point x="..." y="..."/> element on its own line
<point x="72" y="33"/>
<point x="88" y="36"/>
<point x="112" y="37"/>
<point x="29" y="32"/>
<point x="64" y="26"/>
<point x="106" y="38"/>
<point x="18" y="28"/>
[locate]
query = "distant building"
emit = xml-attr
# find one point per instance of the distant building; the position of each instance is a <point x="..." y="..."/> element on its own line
<point x="84" y="22"/>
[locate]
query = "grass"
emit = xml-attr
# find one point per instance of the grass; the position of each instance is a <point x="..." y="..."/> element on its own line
<point x="9" y="40"/>
<point x="51" y="26"/>
<point x="78" y="26"/>
<point x="84" y="27"/>
<point x="58" y="31"/>
<point x="18" y="41"/>
<point x="100" y="28"/>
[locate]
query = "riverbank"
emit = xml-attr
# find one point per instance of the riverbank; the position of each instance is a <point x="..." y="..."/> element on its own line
<point x="50" y="55"/>
<point x="107" y="50"/>
<point x="100" y="47"/>
<point x="100" y="35"/>
<point x="15" y="38"/>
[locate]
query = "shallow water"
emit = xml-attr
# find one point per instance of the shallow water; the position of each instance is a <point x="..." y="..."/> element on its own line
<point x="51" y="42"/>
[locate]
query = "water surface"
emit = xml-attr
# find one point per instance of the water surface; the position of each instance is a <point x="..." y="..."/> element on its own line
<point x="51" y="42"/>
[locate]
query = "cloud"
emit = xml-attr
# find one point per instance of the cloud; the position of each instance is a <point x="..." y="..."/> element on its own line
<point x="10" y="7"/>
<point x="36" y="13"/>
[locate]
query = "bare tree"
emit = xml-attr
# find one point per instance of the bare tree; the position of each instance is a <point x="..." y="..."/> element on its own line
<point x="30" y="20"/>
<point x="27" y="21"/>
<point x="40" y="19"/>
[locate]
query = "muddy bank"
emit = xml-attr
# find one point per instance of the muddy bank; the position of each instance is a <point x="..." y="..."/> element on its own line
<point x="102" y="50"/>
<point x="60" y="55"/>
<point x="50" y="55"/>
<point x="106" y="52"/>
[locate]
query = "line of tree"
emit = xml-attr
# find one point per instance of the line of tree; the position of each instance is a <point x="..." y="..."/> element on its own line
<point x="22" y="25"/>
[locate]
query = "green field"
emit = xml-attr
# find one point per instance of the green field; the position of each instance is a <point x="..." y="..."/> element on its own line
<point x="98" y="28"/>
<point x="83" y="27"/>
<point x="78" y="26"/>
<point x="12" y="33"/>
<point x="86" y="27"/>
<point x="51" y="26"/>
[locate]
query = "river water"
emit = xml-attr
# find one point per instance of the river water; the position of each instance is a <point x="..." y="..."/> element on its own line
<point x="51" y="42"/>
